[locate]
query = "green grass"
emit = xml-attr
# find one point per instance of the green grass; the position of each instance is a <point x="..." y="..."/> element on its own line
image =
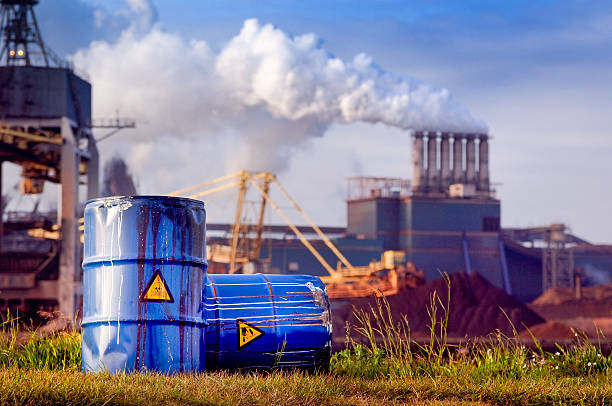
<point x="31" y="386"/>
<point x="25" y="348"/>
<point x="389" y="369"/>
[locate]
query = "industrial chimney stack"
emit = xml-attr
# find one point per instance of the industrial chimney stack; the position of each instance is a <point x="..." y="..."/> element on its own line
<point x="470" y="160"/>
<point x="483" y="164"/>
<point x="458" y="159"/>
<point x="433" y="176"/>
<point x="469" y="172"/>
<point x="418" y="163"/>
<point x="445" y="175"/>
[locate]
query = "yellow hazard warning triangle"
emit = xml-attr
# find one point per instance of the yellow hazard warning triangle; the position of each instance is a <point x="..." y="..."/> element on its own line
<point x="247" y="333"/>
<point x="157" y="290"/>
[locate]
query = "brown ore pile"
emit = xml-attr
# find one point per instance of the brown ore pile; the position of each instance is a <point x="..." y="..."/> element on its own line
<point x="549" y="330"/>
<point x="475" y="308"/>
<point x="561" y="303"/>
<point x="590" y="315"/>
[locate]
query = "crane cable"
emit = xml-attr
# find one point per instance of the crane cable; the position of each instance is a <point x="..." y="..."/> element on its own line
<point x="326" y="240"/>
<point x="293" y="228"/>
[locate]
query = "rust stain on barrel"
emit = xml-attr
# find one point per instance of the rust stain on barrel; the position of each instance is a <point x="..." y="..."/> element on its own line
<point x="143" y="224"/>
<point x="155" y="220"/>
<point x="182" y="296"/>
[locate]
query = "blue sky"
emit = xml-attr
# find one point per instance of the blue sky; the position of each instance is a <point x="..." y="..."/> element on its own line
<point x="539" y="73"/>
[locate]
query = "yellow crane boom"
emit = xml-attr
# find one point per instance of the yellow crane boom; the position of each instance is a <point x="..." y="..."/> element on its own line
<point x="205" y="184"/>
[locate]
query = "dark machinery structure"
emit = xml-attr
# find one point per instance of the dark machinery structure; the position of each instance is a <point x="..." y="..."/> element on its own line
<point x="45" y="127"/>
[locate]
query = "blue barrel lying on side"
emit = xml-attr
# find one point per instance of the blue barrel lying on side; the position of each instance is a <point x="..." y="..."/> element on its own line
<point x="266" y="321"/>
<point x="144" y="267"/>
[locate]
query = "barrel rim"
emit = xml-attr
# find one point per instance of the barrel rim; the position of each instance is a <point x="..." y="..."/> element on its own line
<point x="146" y="197"/>
<point x="184" y="260"/>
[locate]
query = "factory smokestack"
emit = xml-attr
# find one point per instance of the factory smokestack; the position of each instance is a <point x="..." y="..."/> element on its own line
<point x="418" y="162"/>
<point x="117" y="179"/>
<point x="470" y="160"/>
<point x="483" y="164"/>
<point x="458" y="159"/>
<point x="445" y="175"/>
<point x="434" y="178"/>
<point x="432" y="162"/>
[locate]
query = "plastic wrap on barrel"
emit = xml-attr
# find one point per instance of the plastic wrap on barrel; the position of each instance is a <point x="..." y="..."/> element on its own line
<point x="144" y="263"/>
<point x="291" y="312"/>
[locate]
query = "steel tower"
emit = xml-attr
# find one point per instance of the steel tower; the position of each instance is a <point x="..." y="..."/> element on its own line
<point x="22" y="44"/>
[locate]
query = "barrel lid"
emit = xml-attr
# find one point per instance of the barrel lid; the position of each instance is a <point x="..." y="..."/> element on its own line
<point x="150" y="198"/>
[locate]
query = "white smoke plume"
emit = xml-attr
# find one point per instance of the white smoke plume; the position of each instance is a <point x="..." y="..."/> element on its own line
<point x="295" y="78"/>
<point x="266" y="90"/>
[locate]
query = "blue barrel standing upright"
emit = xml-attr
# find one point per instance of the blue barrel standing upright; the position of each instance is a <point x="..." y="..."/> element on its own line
<point x="144" y="266"/>
<point x="266" y="321"/>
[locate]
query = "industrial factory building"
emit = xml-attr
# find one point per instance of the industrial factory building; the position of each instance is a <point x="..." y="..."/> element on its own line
<point x="445" y="220"/>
